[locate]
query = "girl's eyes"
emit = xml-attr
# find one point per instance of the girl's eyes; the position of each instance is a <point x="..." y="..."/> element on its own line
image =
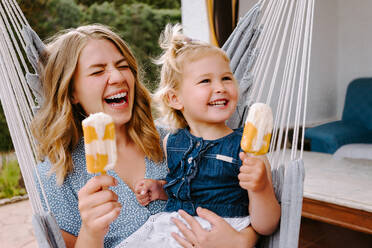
<point x="95" y="73"/>
<point x="207" y="80"/>
<point x="204" y="81"/>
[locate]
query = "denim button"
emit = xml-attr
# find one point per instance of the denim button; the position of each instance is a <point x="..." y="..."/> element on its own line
<point x="198" y="144"/>
<point x="189" y="160"/>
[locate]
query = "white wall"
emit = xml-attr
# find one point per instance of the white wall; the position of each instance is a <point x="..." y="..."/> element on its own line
<point x="323" y="93"/>
<point x="341" y="49"/>
<point x="195" y="20"/>
<point x="354" y="44"/>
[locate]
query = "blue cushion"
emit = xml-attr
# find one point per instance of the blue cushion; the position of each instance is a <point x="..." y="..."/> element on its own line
<point x="358" y="102"/>
<point x="330" y="136"/>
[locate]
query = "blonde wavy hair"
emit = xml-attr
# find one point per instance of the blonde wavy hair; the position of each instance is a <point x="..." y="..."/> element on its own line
<point x="57" y="125"/>
<point x="178" y="50"/>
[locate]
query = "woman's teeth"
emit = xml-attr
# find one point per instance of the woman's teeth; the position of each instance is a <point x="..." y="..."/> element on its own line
<point x="117" y="99"/>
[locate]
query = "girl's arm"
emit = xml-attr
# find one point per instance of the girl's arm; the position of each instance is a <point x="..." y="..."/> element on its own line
<point x="148" y="190"/>
<point x="264" y="209"/>
<point x="221" y="235"/>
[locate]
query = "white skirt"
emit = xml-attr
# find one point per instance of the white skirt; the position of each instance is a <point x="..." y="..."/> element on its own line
<point x="156" y="232"/>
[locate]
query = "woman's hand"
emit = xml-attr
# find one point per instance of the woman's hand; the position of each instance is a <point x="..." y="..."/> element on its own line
<point x="220" y="235"/>
<point x="98" y="207"/>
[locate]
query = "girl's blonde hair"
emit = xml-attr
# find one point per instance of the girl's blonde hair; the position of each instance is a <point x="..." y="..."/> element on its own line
<point x="178" y="49"/>
<point x="57" y="125"/>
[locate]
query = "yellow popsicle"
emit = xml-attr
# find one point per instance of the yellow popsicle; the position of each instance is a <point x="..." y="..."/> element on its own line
<point x="257" y="129"/>
<point x="100" y="145"/>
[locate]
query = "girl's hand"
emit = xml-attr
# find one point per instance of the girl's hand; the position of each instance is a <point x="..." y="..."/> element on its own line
<point x="220" y="235"/>
<point x="253" y="176"/>
<point x="148" y="190"/>
<point x="99" y="207"/>
<point x="264" y="209"/>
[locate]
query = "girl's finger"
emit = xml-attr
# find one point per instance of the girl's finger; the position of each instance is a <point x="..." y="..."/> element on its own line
<point x="244" y="177"/>
<point x="246" y="169"/>
<point x="246" y="185"/>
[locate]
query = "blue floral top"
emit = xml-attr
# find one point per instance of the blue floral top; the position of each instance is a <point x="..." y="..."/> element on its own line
<point x="63" y="200"/>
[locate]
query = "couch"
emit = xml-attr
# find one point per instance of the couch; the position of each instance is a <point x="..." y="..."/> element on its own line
<point x="355" y="125"/>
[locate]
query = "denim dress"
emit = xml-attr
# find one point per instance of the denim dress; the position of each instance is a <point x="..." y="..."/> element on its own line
<point x="205" y="173"/>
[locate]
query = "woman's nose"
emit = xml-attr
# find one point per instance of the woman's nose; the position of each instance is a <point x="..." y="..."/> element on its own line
<point x="114" y="76"/>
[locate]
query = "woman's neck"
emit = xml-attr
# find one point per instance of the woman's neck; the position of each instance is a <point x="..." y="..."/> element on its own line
<point x="122" y="136"/>
<point x="210" y="132"/>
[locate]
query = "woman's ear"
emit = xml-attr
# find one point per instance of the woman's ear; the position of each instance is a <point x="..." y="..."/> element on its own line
<point x="74" y="99"/>
<point x="174" y="100"/>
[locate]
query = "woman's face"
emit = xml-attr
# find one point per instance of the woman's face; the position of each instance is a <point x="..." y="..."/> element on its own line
<point x="103" y="81"/>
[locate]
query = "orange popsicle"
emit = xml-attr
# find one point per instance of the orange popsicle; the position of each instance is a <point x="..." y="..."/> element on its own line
<point x="100" y="145"/>
<point x="257" y="129"/>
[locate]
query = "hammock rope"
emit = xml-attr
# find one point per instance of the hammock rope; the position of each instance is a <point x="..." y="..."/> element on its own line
<point x="17" y="99"/>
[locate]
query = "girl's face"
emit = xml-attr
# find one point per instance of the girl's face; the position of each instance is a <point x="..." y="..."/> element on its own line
<point x="103" y="81"/>
<point x="208" y="92"/>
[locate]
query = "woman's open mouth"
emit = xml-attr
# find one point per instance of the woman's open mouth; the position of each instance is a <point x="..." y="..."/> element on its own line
<point x="117" y="99"/>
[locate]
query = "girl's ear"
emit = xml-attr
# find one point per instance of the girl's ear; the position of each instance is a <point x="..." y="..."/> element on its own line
<point x="174" y="100"/>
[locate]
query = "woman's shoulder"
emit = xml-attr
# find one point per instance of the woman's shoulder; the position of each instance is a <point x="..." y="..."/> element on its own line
<point x="78" y="158"/>
<point x="48" y="176"/>
<point x="162" y="130"/>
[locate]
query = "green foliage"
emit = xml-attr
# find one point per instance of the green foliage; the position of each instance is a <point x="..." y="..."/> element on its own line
<point x="10" y="177"/>
<point x="47" y="17"/>
<point x="60" y="14"/>
<point x="5" y="140"/>
<point x="104" y="13"/>
<point x="140" y="25"/>
<point x="158" y="4"/>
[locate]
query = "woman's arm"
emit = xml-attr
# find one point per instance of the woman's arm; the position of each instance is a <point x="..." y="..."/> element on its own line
<point x="221" y="235"/>
<point x="98" y="208"/>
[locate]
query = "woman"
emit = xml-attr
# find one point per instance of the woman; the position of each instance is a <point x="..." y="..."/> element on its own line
<point x="86" y="70"/>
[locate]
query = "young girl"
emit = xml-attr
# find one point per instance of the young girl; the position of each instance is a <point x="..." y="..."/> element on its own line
<point x="197" y="95"/>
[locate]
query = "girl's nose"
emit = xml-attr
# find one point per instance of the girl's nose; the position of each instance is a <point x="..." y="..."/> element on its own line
<point x="114" y="76"/>
<point x="219" y="86"/>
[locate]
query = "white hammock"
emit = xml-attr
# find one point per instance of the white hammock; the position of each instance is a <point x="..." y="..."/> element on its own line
<point x="269" y="51"/>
